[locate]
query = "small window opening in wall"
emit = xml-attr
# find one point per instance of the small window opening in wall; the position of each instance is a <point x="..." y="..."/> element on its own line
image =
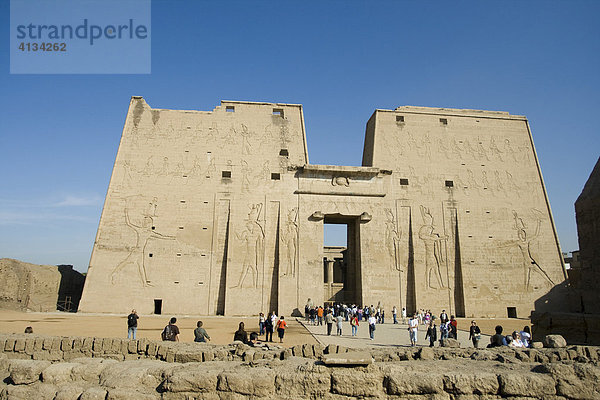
<point x="150" y="254"/>
<point x="185" y="176"/>
<point x="187" y="151"/>
<point x="404" y="181"/>
<point x="230" y="108"/>
<point x="284" y="152"/>
<point x="225" y="174"/>
<point x="512" y="312"/>
<point x="399" y="118"/>
<point x="278" y="112"/>
<point x="463" y="164"/>
<point x="208" y="153"/>
<point x="487" y="212"/>
<point x="495" y="287"/>
<point x="153" y="228"/>
<point x="490" y="237"/>
<point x="181" y="227"/>
<point x="176" y="282"/>
<point x="158" y="306"/>
<point x="178" y="254"/>
<point x="449" y="184"/>
<point x="493" y="262"/>
<point x="206" y="202"/>
<point x="470" y="236"/>
<point x="444" y="121"/>
<point x="472" y="261"/>
<point x="203" y="255"/>
<point x="275" y="176"/>
<point x="200" y="283"/>
<point x="204" y="228"/>
<point x="468" y="211"/>
<point x="182" y="201"/>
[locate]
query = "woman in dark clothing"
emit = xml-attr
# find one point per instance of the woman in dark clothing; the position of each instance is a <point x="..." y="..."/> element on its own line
<point x="431" y="333"/>
<point x="475" y="334"/>
<point x="268" y="329"/>
<point x="241" y="334"/>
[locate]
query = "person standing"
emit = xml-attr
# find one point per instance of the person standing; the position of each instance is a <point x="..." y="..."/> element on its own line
<point x="171" y="331"/>
<point x="329" y="322"/>
<point x="132" y="322"/>
<point x="372" y="322"/>
<point x="453" y="327"/>
<point x="475" y="334"/>
<point x="261" y="324"/>
<point x="320" y="315"/>
<point x="200" y="334"/>
<point x="338" y="321"/>
<point x="403" y="315"/>
<point x="431" y="333"/>
<point x="413" y="329"/>
<point x="268" y="330"/>
<point x="395" y="314"/>
<point x="281" y="325"/>
<point x="443" y="316"/>
<point x="354" y="324"/>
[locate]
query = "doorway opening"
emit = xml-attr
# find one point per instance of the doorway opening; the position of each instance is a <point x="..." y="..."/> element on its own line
<point x="341" y="260"/>
<point x="158" y="306"/>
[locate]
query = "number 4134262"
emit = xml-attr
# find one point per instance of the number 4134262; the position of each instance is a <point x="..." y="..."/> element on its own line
<point x="44" y="46"/>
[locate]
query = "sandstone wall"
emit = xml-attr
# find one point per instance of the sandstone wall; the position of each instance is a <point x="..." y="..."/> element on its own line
<point x="28" y="286"/>
<point x="440" y="373"/>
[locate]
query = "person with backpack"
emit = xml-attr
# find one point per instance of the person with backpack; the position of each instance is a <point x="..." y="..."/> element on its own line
<point x="171" y="331"/>
<point x="132" y="325"/>
<point x="354" y="324"/>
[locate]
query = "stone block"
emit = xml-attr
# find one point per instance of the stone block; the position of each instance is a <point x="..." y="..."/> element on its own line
<point x="425" y="353"/>
<point x="318" y="350"/>
<point x="307" y="351"/>
<point x="480" y="383"/>
<point x="554" y="341"/>
<point x="39" y="344"/>
<point x="132" y="346"/>
<point x="193" y="378"/>
<point x="29" y="345"/>
<point x="26" y="371"/>
<point x="59" y="373"/>
<point x="537" y="345"/>
<point x="302" y="384"/>
<point x="55" y="344"/>
<point x="208" y="355"/>
<point x="47" y="345"/>
<point x="248" y="356"/>
<point x="98" y="344"/>
<point x="152" y="349"/>
<point x="77" y="343"/>
<point x="66" y="344"/>
<point x="402" y="382"/>
<point x="253" y="382"/>
<point x="20" y="345"/>
<point x="37" y="391"/>
<point x="343" y="382"/>
<point x="68" y="392"/>
<point x="93" y="393"/>
<point x="348" y="359"/>
<point x="449" y="342"/>
<point x="142" y="346"/>
<point x="88" y="343"/>
<point x="127" y="394"/>
<point x="188" y="356"/>
<point x="526" y="385"/>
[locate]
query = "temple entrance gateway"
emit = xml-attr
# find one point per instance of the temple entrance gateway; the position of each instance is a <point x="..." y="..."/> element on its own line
<point x="341" y="264"/>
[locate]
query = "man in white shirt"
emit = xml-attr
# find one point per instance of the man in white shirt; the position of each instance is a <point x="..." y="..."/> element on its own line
<point x="372" y="322"/>
<point x="413" y="329"/>
<point x="395" y="314"/>
<point x="403" y="315"/>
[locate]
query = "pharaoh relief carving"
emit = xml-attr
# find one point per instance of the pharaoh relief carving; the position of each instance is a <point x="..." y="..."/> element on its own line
<point x="144" y="234"/>
<point x="290" y="241"/>
<point x="392" y="239"/>
<point x="527" y="234"/>
<point x="245" y="176"/>
<point x="252" y="241"/>
<point x="435" y="247"/>
<point x="246" y="147"/>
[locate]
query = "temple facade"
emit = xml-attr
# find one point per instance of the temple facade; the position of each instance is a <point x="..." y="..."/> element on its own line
<point x="220" y="213"/>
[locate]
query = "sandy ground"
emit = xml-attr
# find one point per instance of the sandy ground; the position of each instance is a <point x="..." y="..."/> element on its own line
<point x="220" y="329"/>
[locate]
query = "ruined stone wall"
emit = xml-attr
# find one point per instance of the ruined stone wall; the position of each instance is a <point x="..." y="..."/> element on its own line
<point x="424" y="373"/>
<point x="28" y="286"/>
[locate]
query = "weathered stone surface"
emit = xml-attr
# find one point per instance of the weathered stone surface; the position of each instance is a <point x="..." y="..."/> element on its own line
<point x="350" y="358"/>
<point x="403" y="382"/>
<point x="250" y="382"/>
<point x="128" y="394"/>
<point x="449" y="342"/>
<point x="93" y="393"/>
<point x="344" y="382"/>
<point x="26" y="371"/>
<point x="425" y="353"/>
<point x="554" y="341"/>
<point x="68" y="392"/>
<point x="195" y="378"/>
<point x="471" y="383"/>
<point x="526" y="385"/>
<point x="58" y="373"/>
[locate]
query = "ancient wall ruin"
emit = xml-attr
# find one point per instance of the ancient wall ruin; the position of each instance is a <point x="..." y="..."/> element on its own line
<point x="221" y="213"/>
<point x="89" y="368"/>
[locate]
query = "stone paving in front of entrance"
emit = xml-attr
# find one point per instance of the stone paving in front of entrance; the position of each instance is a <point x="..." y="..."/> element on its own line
<point x="387" y="334"/>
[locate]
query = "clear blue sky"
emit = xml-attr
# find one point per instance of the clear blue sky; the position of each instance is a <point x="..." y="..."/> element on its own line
<point x="341" y="59"/>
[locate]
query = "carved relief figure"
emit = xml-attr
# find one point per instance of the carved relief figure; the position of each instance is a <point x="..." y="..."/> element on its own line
<point x="494" y="150"/>
<point x="211" y="169"/>
<point x="245" y="179"/>
<point x="246" y="148"/>
<point x="392" y="239"/>
<point x="252" y="238"/>
<point x="524" y="238"/>
<point x="290" y="239"/>
<point x="144" y="233"/>
<point x="435" y="245"/>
